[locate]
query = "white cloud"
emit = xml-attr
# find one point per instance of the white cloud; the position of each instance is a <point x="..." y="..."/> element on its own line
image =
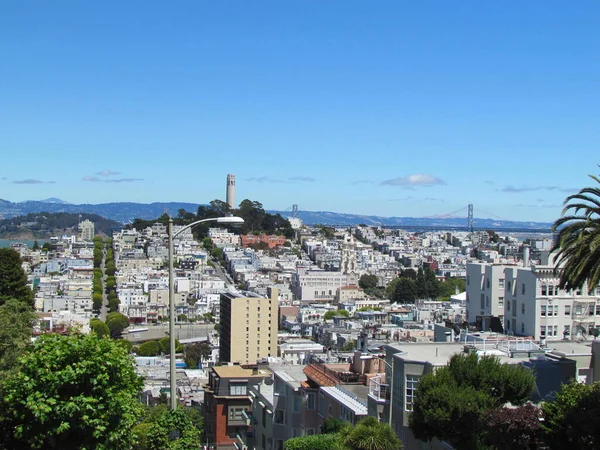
<point x="417" y="179"/>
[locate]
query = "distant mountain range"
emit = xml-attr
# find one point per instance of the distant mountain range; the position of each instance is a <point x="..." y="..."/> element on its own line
<point x="127" y="211"/>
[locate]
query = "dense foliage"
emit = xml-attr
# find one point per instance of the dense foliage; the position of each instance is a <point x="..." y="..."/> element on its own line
<point x="16" y="322"/>
<point x="13" y="281"/>
<point x="510" y="428"/>
<point x="367" y="434"/>
<point x="196" y="353"/>
<point x="450" y="403"/>
<point x="256" y="219"/>
<point x="572" y="420"/>
<point x="578" y="240"/>
<point x="71" y="392"/>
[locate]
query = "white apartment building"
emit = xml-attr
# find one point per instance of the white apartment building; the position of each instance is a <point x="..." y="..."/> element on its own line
<point x="485" y="292"/>
<point x="310" y="285"/>
<point x="86" y="229"/>
<point x="529" y="301"/>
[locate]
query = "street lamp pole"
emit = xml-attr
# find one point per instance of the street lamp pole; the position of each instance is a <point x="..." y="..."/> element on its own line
<point x="391" y="383"/>
<point x="231" y="220"/>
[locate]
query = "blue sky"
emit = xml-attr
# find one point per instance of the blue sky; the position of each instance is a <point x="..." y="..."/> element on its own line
<point x="387" y="107"/>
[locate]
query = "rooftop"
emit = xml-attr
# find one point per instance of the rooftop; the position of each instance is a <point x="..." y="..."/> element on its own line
<point x="237" y="372"/>
<point x="348" y="401"/>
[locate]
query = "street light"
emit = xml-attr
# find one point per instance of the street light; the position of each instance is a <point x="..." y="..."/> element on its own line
<point x="232" y="220"/>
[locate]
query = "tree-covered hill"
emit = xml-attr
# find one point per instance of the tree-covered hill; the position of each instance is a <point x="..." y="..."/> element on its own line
<point x="43" y="225"/>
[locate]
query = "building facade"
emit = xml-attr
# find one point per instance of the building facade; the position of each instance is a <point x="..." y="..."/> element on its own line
<point x="249" y="327"/>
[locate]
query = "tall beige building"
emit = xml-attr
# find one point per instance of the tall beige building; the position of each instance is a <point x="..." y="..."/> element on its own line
<point x="86" y="229"/>
<point x="249" y="327"/>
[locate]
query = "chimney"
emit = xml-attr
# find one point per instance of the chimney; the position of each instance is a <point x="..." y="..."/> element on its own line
<point x="525" y="255"/>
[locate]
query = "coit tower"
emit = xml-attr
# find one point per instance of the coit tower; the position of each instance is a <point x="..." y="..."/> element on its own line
<point x="231" y="191"/>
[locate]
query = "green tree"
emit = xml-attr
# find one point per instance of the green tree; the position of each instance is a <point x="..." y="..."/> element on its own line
<point x="368" y="281"/>
<point x="332" y="425"/>
<point x="47" y="246"/>
<point x="196" y="353"/>
<point x="369" y="434"/>
<point x="451" y="402"/>
<point x="149" y="348"/>
<point x="578" y="240"/>
<point x="99" y="328"/>
<point x="36" y="245"/>
<point x="170" y="424"/>
<point x="97" y="300"/>
<point x="16" y="324"/>
<point x="315" y="442"/>
<point x="71" y="392"/>
<point x="125" y="344"/>
<point x="13" y="281"/>
<point x="165" y="346"/>
<point x="572" y="420"/>
<point x="116" y="322"/>
<point x="337" y="312"/>
<point x="405" y="291"/>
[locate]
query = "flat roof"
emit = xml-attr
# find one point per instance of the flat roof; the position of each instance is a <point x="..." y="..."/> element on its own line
<point x="439" y="353"/>
<point x="233" y="371"/>
<point x="567" y="348"/>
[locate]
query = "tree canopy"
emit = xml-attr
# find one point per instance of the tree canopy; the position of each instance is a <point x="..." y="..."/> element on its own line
<point x="13" y="283"/>
<point x="116" y="323"/>
<point x="578" y="241"/>
<point x="71" y="392"/>
<point x="450" y="403"/>
<point x="572" y="420"/>
<point x="16" y="323"/>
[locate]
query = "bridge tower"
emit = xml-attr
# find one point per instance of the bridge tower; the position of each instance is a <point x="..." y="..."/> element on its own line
<point x="470" y="218"/>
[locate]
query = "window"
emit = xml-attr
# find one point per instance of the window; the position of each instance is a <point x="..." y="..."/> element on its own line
<point x="238" y="388"/>
<point x="487" y="300"/>
<point x="501" y="302"/>
<point x="567" y="310"/>
<point x="598" y="309"/>
<point x="556" y="310"/>
<point x="310" y="401"/>
<point x="410" y="389"/>
<point x="482" y="301"/>
<point x="278" y="444"/>
<point x="522" y="327"/>
<point x="522" y="308"/>
<point x="523" y="288"/>
<point x="297" y="403"/>
<point x="235" y="414"/>
<point x="542" y="331"/>
<point x="501" y="283"/>
<point x="544" y="289"/>
<point x="487" y="284"/>
<point x="468" y="280"/>
<point x="567" y="330"/>
<point x="543" y="310"/>
<point x="279" y="417"/>
<point x="509" y="285"/>
<point x="555" y="330"/>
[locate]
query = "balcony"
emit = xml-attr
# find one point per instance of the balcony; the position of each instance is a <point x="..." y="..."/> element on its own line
<point x="378" y="390"/>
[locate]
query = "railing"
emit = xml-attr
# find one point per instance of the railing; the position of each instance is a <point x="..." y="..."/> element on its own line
<point x="377" y="389"/>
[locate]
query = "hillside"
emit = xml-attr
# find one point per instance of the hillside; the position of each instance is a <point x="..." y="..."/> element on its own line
<point x="44" y="225"/>
<point x="128" y="211"/>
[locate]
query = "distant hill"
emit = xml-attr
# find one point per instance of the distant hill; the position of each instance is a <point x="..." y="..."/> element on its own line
<point x="127" y="211"/>
<point x="121" y="212"/>
<point x="43" y="225"/>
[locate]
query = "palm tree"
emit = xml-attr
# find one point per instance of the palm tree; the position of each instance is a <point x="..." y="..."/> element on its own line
<point x="578" y="243"/>
<point x="369" y="434"/>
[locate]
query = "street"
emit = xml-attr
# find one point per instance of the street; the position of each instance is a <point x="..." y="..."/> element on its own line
<point x="182" y="331"/>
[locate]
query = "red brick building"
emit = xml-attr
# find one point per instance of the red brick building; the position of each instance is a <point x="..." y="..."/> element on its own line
<point x="225" y="400"/>
<point x="271" y="241"/>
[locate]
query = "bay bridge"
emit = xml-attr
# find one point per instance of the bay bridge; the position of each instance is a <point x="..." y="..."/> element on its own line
<point x="463" y="219"/>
